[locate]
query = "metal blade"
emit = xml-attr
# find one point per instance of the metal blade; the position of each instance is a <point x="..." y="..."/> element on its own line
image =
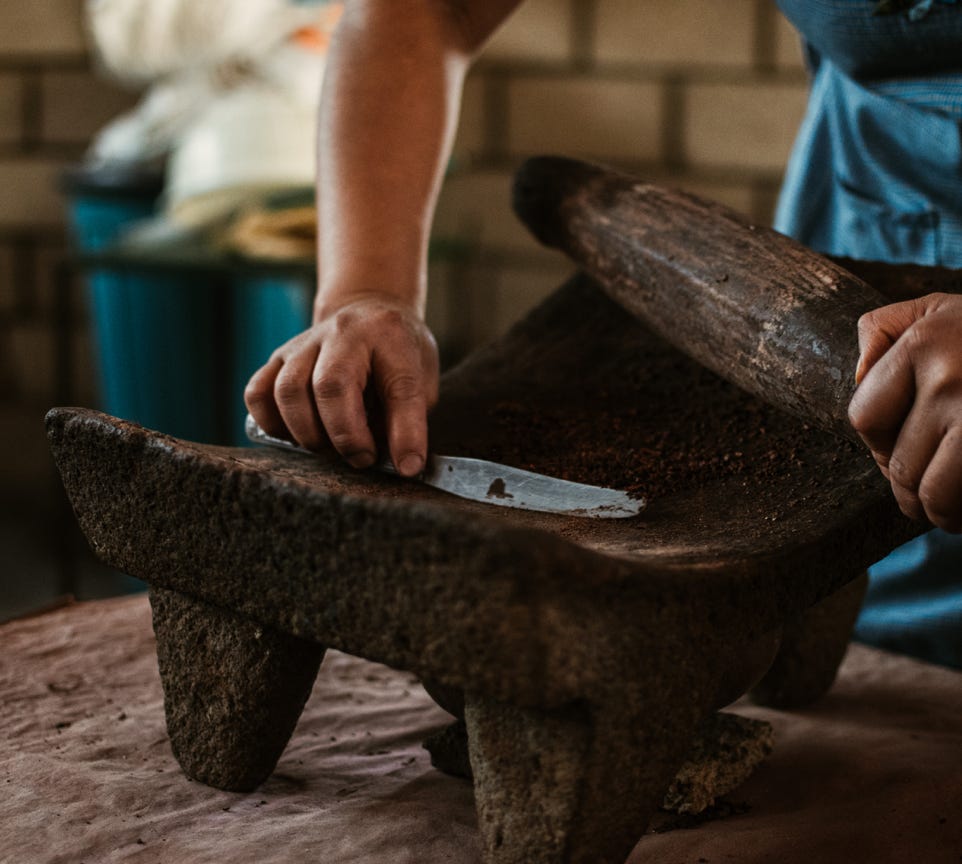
<point x="504" y="486"/>
<point x="501" y="485"/>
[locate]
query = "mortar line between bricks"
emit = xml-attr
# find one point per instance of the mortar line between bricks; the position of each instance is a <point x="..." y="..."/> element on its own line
<point x="31" y="111"/>
<point x="631" y="72"/>
<point x="674" y="107"/>
<point x="766" y="30"/>
<point x="584" y="19"/>
<point x="24" y="267"/>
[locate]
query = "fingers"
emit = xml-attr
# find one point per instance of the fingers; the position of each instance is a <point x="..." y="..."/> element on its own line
<point x="312" y="389"/>
<point x="883" y="401"/>
<point x="940" y="492"/>
<point x="919" y="438"/>
<point x="259" y="398"/>
<point x="295" y="399"/>
<point x="908" y="406"/>
<point x="880" y="329"/>
<point x="340" y="376"/>
<point x="406" y="375"/>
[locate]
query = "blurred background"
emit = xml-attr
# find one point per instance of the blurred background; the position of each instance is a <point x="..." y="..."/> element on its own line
<point x="100" y="308"/>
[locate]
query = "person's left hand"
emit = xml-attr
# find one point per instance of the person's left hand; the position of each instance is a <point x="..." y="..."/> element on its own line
<point x="908" y="405"/>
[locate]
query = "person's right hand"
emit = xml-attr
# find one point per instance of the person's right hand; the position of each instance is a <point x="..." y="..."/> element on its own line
<point x="312" y="388"/>
<point x="908" y="405"/>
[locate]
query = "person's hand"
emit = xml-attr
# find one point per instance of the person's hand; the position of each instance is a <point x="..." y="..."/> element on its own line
<point x="312" y="389"/>
<point x="908" y="405"/>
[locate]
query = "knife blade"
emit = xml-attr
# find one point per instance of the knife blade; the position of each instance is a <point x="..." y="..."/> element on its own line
<point x="500" y="485"/>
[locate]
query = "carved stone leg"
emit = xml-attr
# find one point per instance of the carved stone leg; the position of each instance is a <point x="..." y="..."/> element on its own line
<point x="233" y="690"/>
<point x="573" y="786"/>
<point x="812" y="649"/>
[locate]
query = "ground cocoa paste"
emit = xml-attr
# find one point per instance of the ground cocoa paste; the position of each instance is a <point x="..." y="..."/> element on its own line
<point x="667" y="427"/>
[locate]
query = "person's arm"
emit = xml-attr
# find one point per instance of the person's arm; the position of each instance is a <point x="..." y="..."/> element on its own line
<point x="388" y="114"/>
<point x="908" y="405"/>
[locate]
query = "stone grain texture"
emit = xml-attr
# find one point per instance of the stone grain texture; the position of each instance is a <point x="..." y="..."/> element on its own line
<point x="812" y="647"/>
<point x="750" y="304"/>
<point x="588" y="651"/>
<point x="233" y="689"/>
<point x="725" y="750"/>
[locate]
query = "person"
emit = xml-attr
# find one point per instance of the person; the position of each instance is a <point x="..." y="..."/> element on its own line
<point x="876" y="174"/>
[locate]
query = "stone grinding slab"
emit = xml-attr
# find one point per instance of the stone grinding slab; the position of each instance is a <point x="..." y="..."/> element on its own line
<point x="580" y="645"/>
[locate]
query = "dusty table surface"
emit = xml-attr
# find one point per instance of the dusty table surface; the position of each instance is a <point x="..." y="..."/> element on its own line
<point x="869" y="774"/>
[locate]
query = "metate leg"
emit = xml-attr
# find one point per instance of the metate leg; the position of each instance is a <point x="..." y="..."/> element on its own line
<point x="573" y="786"/>
<point x="233" y="690"/>
<point x="812" y="649"/>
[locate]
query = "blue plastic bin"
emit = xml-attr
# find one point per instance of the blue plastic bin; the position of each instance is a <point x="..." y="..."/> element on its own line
<point x="151" y="330"/>
<point x="175" y="344"/>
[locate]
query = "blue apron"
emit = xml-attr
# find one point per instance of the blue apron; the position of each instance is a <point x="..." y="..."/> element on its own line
<point x="876" y="173"/>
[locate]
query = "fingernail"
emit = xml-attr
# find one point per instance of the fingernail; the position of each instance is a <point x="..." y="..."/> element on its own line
<point x="411" y="465"/>
<point x="364" y="459"/>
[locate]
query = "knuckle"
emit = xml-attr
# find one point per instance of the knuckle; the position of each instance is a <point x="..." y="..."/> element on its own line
<point x="902" y="474"/>
<point x="257" y="394"/>
<point x="910" y="506"/>
<point x="344" y="440"/>
<point x="332" y="383"/>
<point x="288" y="390"/>
<point x="868" y="321"/>
<point x="939" y="511"/>
<point x="402" y="388"/>
<point x="858" y="417"/>
<point x="344" y="321"/>
<point x="391" y="319"/>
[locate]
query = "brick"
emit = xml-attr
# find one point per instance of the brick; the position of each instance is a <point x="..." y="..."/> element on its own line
<point x="42" y="27"/>
<point x="8" y="292"/>
<point x="49" y="254"/>
<point x="539" y="31"/>
<point x="31" y="346"/>
<point x="30" y="197"/>
<point x="11" y="124"/>
<point x="475" y="207"/>
<point x="596" y="118"/>
<point x="84" y="384"/>
<point x="788" y="45"/>
<point x="675" y="33"/>
<point x="78" y="104"/>
<point x="749" y="126"/>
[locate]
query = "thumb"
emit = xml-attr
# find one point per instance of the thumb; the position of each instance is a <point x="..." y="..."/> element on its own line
<point x="880" y="329"/>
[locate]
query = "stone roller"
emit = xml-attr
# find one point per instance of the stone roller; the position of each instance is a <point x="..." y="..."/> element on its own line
<point x="752" y="305"/>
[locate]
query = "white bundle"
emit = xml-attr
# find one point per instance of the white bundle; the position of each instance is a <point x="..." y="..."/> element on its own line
<point x="232" y="97"/>
<point x="142" y="40"/>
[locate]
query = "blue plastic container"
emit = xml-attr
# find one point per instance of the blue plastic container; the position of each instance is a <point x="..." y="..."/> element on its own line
<point x="176" y="342"/>
<point x="152" y="329"/>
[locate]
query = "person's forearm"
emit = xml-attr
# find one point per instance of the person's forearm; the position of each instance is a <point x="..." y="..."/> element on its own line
<point x="388" y="114"/>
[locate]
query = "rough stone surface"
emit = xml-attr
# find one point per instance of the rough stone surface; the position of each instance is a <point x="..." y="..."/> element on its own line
<point x="449" y="750"/>
<point x="582" y="646"/>
<point x="726" y="750"/>
<point x="233" y="689"/>
<point x="812" y="648"/>
<point x="752" y="305"/>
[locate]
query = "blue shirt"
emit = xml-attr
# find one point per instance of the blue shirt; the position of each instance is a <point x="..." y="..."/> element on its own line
<point x="876" y="173"/>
